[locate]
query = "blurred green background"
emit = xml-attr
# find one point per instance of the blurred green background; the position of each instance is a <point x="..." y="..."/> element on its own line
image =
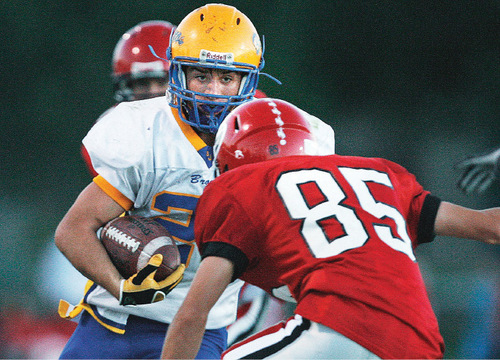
<point x="416" y="82"/>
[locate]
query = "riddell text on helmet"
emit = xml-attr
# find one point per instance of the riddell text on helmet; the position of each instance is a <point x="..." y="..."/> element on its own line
<point x="212" y="55"/>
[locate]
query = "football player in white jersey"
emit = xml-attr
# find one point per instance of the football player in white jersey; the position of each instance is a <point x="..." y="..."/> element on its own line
<point x="136" y="73"/>
<point x="154" y="158"/>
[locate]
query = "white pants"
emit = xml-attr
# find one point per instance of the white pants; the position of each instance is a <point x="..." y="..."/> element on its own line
<point x="298" y="338"/>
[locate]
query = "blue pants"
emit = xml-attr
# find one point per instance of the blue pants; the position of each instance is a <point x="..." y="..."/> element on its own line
<point x="143" y="339"/>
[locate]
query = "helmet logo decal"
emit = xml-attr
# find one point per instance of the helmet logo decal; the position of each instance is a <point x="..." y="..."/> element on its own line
<point x="257" y="43"/>
<point x="178" y="38"/>
<point x="279" y="121"/>
<point x="238" y="154"/>
<point x="206" y="55"/>
<point x="274" y="150"/>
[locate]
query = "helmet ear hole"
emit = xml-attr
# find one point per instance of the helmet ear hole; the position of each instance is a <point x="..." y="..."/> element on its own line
<point x="237" y="123"/>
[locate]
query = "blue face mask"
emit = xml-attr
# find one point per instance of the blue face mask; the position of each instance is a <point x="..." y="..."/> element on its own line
<point x="198" y="111"/>
<point x="205" y="115"/>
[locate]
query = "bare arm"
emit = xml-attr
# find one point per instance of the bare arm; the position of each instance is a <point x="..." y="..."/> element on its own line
<point x="76" y="237"/>
<point x="186" y="331"/>
<point x="458" y="221"/>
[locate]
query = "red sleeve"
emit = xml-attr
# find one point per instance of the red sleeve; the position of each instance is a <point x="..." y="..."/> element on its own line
<point x="220" y="218"/>
<point x="422" y="206"/>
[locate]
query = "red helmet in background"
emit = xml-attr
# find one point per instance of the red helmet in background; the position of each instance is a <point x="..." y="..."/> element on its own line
<point x="261" y="130"/>
<point x="133" y="60"/>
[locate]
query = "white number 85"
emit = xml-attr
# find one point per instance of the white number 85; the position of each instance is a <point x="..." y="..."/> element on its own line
<point x="355" y="234"/>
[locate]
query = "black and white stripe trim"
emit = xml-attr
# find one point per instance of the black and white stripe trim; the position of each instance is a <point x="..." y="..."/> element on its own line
<point x="270" y="343"/>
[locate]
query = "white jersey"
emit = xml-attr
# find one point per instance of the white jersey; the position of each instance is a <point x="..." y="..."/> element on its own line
<point x="324" y="134"/>
<point x="155" y="165"/>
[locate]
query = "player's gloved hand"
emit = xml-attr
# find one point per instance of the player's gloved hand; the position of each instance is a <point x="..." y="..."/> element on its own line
<point x="142" y="288"/>
<point x="479" y="171"/>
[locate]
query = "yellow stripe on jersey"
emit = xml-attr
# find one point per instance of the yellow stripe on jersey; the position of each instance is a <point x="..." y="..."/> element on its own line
<point x="113" y="193"/>
<point x="189" y="132"/>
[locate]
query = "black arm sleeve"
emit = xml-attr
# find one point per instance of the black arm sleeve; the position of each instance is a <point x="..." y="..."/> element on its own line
<point x="227" y="251"/>
<point x="425" y="231"/>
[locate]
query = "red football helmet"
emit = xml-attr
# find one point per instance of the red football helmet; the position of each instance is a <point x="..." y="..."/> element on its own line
<point x="260" y="130"/>
<point x="133" y="59"/>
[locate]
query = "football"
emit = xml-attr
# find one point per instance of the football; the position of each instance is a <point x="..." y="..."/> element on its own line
<point x="130" y="241"/>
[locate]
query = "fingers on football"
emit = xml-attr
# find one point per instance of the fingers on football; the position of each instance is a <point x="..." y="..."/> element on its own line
<point x="149" y="270"/>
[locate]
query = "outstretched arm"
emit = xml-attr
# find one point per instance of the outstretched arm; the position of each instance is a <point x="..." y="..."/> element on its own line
<point x="458" y="221"/>
<point x="186" y="330"/>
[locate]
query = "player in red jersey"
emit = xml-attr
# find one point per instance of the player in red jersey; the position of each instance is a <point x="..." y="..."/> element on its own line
<point x="337" y="231"/>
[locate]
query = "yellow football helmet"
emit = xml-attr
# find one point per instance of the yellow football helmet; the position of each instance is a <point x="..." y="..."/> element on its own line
<point x="213" y="36"/>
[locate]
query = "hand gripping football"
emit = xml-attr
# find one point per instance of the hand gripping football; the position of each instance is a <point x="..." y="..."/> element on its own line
<point x="130" y="241"/>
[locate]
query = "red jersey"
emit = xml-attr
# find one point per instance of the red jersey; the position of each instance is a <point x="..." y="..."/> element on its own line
<point x="339" y="232"/>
